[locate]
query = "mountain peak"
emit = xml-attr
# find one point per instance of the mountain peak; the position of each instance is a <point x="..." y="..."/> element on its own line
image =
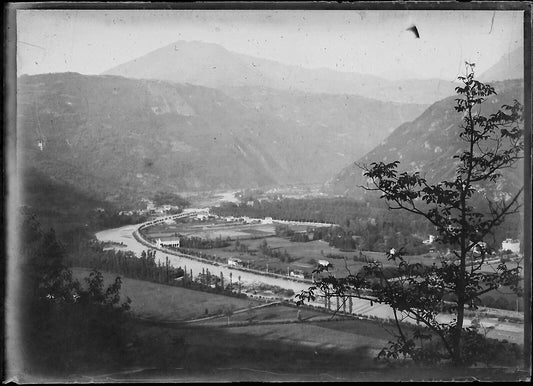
<point x="211" y="65"/>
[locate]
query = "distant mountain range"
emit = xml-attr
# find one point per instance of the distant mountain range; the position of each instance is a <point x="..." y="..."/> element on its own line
<point x="428" y="144"/>
<point x="212" y="65"/>
<point x="510" y="66"/>
<point x="194" y="116"/>
<point x="116" y="137"/>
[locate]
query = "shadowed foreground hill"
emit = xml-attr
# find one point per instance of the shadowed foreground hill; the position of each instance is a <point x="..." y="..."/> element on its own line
<point x="282" y="350"/>
<point x="114" y="137"/>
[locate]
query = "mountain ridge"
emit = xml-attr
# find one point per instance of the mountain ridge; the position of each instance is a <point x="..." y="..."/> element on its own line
<point x="427" y="144"/>
<point x="212" y="65"/>
<point x="114" y="137"/>
<point x="510" y="66"/>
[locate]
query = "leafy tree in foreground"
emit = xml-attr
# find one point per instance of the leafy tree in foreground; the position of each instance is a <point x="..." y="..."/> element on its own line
<point x="463" y="216"/>
<point x="65" y="325"/>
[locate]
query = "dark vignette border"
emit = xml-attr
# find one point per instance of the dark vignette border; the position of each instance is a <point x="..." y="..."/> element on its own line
<point x="10" y="185"/>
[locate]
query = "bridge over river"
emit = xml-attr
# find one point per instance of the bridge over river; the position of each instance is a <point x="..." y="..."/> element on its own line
<point x="126" y="235"/>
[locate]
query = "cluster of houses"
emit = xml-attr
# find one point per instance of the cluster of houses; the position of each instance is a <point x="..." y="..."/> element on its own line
<point x="250" y="198"/>
<point x="234" y="262"/>
<point x="241" y="219"/>
<point x="151" y="209"/>
<point x="174" y="243"/>
<point x="511" y="245"/>
<point x="296" y="273"/>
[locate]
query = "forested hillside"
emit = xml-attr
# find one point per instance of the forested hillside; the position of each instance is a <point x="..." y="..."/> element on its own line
<point x="429" y="143"/>
<point x="120" y="139"/>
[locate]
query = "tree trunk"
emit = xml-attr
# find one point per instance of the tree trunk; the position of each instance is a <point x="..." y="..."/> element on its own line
<point x="457" y="357"/>
<point x="457" y="338"/>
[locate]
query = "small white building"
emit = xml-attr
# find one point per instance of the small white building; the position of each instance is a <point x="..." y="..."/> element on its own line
<point x="297" y="274"/>
<point x="233" y="262"/>
<point x="323" y="263"/>
<point x="168" y="243"/>
<point x="267" y="220"/>
<point x="511" y="245"/>
<point x="431" y="239"/>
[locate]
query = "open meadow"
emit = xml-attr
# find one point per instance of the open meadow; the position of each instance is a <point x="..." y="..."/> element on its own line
<point x="211" y="230"/>
<point x="167" y="303"/>
<point x="261" y="336"/>
<point x="274" y="346"/>
<point x="245" y="241"/>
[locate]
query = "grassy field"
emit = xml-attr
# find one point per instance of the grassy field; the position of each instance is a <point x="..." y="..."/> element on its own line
<point x="302" y="252"/>
<point x="304" y="255"/>
<point x="271" y="314"/>
<point x="284" y="346"/>
<point x="275" y="348"/>
<point x="212" y="230"/>
<point x="156" y="303"/>
<point x="162" y="302"/>
<point x="318" y="336"/>
<point x="269" y="350"/>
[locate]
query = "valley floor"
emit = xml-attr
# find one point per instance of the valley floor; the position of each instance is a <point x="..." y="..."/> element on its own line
<point x="495" y="327"/>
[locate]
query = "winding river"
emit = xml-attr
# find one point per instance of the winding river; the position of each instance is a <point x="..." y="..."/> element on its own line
<point x="501" y="330"/>
<point x="125" y="235"/>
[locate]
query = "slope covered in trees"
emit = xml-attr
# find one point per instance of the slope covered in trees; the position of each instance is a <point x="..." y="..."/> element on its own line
<point x="428" y="145"/>
<point x="64" y="325"/>
<point x="120" y="139"/>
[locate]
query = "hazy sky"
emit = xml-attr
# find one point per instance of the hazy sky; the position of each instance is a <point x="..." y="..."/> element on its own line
<point x="374" y="42"/>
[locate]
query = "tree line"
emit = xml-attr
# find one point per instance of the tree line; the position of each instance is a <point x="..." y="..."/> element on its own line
<point x="65" y="324"/>
<point x="148" y="268"/>
<point x="276" y="253"/>
<point x="365" y="225"/>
